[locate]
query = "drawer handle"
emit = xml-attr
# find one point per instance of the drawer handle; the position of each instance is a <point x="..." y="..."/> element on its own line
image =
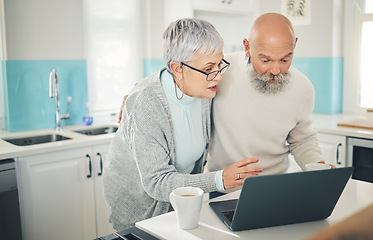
<point x="90" y="166"/>
<point x="337" y="155"/>
<point x="99" y="154"/>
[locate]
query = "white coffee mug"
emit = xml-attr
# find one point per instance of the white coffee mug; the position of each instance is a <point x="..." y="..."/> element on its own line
<point x="317" y="166"/>
<point x="187" y="202"/>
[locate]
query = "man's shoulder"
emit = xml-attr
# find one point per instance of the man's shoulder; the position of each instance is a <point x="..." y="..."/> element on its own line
<point x="295" y="73"/>
<point x="235" y="56"/>
<point x="300" y="80"/>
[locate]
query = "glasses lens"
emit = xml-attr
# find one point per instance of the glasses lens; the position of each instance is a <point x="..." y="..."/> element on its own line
<point x="212" y="75"/>
<point x="224" y="69"/>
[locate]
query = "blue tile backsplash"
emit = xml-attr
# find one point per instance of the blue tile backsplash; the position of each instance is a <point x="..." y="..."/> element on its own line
<point x="27" y="104"/>
<point x="152" y="65"/>
<point x="325" y="73"/>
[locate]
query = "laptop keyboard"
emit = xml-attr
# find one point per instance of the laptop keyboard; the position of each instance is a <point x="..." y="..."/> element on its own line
<point x="229" y="214"/>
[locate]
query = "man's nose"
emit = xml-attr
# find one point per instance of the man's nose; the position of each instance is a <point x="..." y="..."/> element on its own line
<point x="275" y="68"/>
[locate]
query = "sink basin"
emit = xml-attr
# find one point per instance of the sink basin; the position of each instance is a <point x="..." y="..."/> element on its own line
<point x="26" y="141"/>
<point x="97" y="131"/>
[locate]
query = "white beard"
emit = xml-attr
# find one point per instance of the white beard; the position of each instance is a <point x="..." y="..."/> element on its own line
<point x="263" y="83"/>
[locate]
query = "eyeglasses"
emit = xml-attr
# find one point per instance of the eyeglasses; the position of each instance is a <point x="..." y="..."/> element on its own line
<point x="212" y="75"/>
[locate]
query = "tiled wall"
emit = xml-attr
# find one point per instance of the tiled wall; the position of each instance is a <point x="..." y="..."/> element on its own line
<point x="27" y="104"/>
<point x="325" y="73"/>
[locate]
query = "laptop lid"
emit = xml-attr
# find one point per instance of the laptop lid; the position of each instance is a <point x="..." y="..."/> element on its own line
<point x="281" y="199"/>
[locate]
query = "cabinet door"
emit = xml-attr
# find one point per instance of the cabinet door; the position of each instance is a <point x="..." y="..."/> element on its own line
<point x="100" y="153"/>
<point x="56" y="196"/>
<point x="333" y="148"/>
<point x="226" y="6"/>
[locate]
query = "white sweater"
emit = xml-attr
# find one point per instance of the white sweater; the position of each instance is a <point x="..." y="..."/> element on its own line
<point x="247" y="123"/>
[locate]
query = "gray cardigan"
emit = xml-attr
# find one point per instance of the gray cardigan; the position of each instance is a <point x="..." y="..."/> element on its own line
<point x="140" y="171"/>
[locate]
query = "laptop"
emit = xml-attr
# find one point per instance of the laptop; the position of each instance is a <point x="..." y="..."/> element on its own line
<point x="274" y="200"/>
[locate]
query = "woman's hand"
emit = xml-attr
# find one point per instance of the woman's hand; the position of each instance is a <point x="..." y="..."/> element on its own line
<point x="235" y="174"/>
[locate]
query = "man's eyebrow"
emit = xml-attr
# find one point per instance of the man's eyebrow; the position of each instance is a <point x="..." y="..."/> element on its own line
<point x="265" y="56"/>
<point x="288" y="55"/>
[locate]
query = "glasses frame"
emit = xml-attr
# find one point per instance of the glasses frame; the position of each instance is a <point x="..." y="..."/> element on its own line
<point x="207" y="74"/>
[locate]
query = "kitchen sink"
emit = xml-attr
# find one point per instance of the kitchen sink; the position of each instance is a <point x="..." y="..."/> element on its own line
<point x="26" y="141"/>
<point x="97" y="131"/>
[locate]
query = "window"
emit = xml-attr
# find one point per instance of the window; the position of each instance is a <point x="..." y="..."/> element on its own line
<point x="113" y="51"/>
<point x="358" y="51"/>
<point x="366" y="56"/>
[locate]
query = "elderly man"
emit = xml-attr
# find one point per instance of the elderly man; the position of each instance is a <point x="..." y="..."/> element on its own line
<point x="263" y="108"/>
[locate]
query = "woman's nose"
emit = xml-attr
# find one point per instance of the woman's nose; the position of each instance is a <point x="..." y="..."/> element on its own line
<point x="219" y="77"/>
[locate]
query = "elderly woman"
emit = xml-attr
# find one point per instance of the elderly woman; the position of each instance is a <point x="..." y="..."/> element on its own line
<point x="165" y="129"/>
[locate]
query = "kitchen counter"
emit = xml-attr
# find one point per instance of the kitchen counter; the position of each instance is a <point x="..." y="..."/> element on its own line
<point x="356" y="196"/>
<point x="329" y="124"/>
<point x="322" y="124"/>
<point x="8" y="150"/>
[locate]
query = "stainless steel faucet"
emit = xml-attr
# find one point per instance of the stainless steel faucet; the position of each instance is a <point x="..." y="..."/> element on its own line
<point x="53" y="93"/>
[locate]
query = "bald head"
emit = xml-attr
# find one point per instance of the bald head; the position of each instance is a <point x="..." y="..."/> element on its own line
<point x="271" y="44"/>
<point x="272" y="28"/>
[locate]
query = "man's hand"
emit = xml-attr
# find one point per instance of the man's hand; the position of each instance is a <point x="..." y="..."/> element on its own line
<point x="324" y="163"/>
<point x="121" y="108"/>
<point x="235" y="174"/>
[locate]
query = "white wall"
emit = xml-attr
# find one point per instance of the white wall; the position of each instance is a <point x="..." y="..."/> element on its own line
<point x="321" y="38"/>
<point x="44" y="29"/>
<point x="2" y="57"/>
<point x="154" y="26"/>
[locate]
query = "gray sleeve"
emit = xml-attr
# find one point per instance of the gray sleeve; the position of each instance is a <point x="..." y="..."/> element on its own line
<point x="149" y="134"/>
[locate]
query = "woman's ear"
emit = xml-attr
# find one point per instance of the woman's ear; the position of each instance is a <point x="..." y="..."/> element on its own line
<point x="177" y="70"/>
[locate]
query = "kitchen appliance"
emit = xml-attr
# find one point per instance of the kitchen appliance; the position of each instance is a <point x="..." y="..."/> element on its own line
<point x="360" y="156"/>
<point x="133" y="233"/>
<point x="10" y="221"/>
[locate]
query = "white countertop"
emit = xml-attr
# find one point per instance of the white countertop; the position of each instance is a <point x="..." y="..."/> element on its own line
<point x="8" y="150"/>
<point x="322" y="124"/>
<point x="356" y="196"/>
<point x="325" y="123"/>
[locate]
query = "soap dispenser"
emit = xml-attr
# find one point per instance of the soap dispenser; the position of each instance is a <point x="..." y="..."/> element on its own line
<point x="87" y="118"/>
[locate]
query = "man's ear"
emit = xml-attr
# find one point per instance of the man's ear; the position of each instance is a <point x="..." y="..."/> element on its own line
<point x="176" y="69"/>
<point x="246" y="45"/>
<point x="296" y="40"/>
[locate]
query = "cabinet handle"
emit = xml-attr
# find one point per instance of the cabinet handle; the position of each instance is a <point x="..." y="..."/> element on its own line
<point x="229" y="1"/>
<point x="337" y="155"/>
<point x="99" y="154"/>
<point x="223" y="1"/>
<point x="90" y="166"/>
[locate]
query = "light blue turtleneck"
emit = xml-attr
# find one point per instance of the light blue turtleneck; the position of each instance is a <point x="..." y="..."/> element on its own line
<point x="187" y="124"/>
<point x="186" y="117"/>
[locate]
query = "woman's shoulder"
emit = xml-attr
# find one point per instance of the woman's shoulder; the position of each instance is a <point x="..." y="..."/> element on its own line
<point x="146" y="91"/>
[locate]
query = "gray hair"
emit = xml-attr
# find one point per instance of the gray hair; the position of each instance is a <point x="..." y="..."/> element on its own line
<point x="184" y="37"/>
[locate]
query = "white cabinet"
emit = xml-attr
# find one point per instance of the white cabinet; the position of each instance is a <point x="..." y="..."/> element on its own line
<point x="232" y="18"/>
<point x="333" y="148"/>
<point x="61" y="194"/>
<point x="226" y="6"/>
